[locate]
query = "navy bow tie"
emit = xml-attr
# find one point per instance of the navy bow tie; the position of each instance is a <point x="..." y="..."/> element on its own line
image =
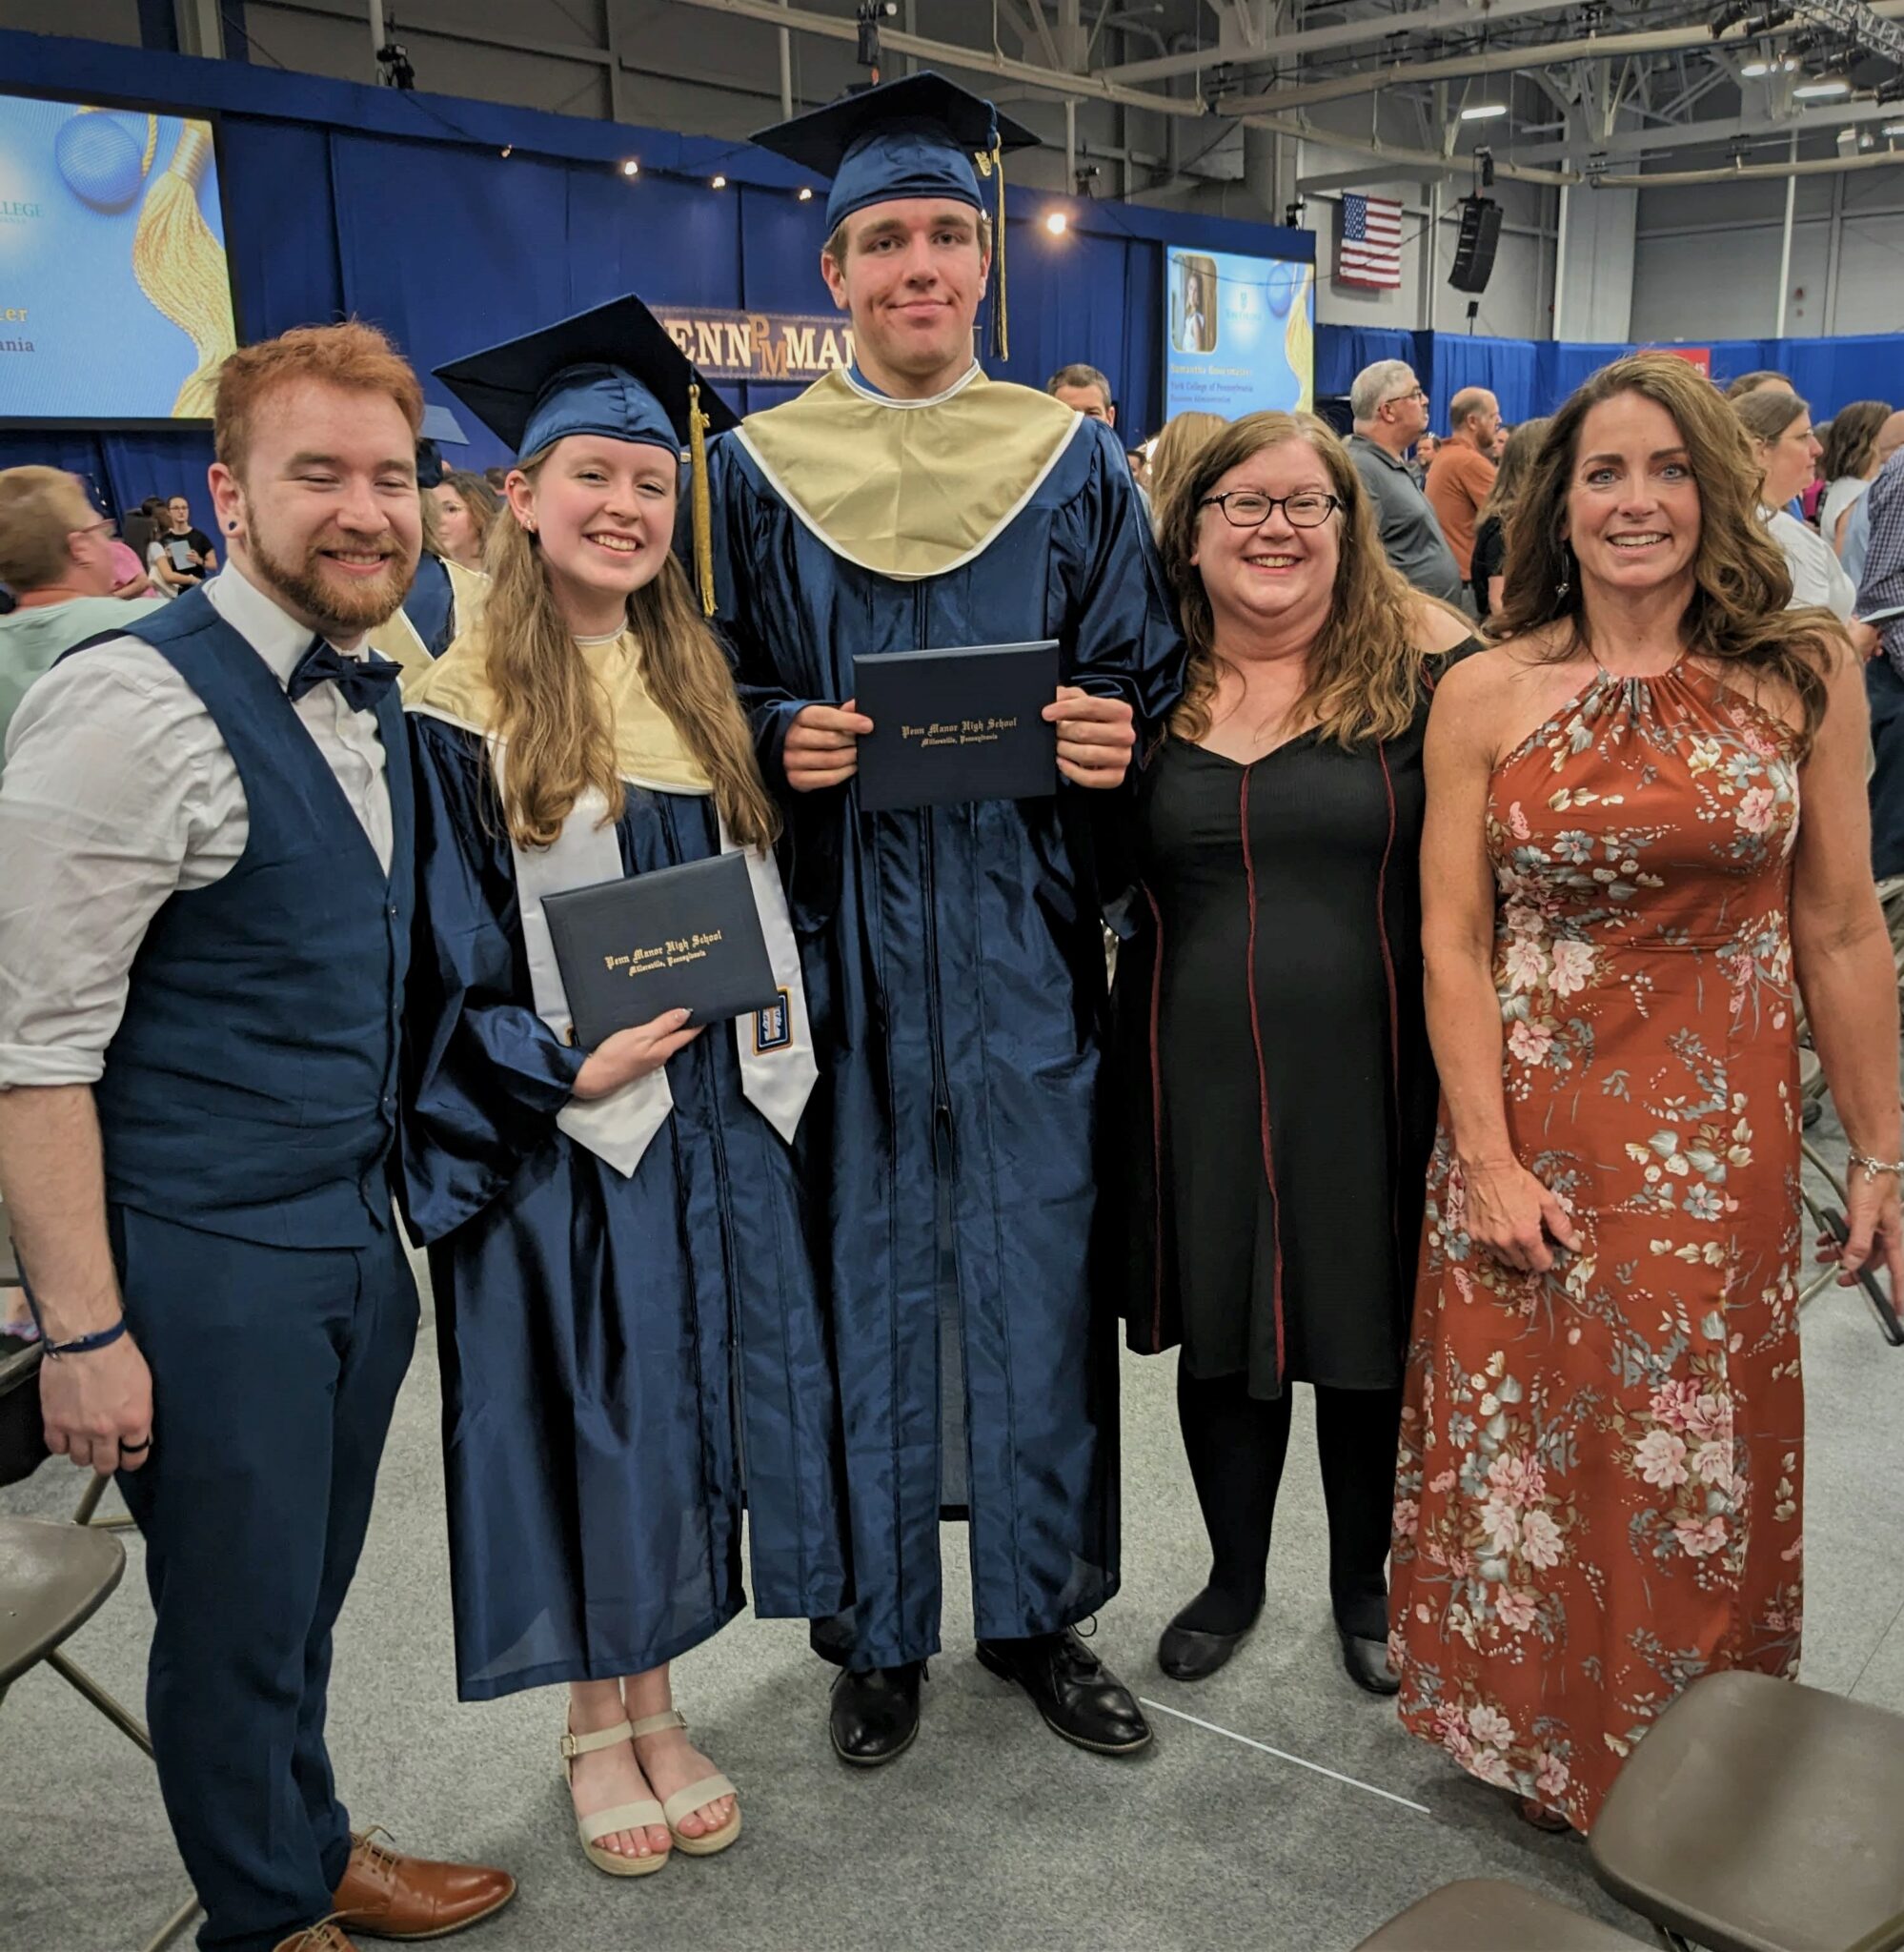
<point x="363" y="681"/>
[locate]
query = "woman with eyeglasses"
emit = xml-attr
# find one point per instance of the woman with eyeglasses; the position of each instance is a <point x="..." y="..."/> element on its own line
<point x="1275" y="1100"/>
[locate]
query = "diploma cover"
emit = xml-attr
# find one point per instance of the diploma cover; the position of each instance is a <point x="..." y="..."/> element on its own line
<point x="955" y="725"/>
<point x="680" y="938"/>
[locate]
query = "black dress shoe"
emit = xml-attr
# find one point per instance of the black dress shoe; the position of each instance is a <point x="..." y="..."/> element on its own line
<point x="1189" y="1653"/>
<point x="1367" y="1662"/>
<point x="874" y="1713"/>
<point x="1078" y="1695"/>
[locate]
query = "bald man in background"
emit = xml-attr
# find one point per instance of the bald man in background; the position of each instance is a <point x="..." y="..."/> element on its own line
<point x="1461" y="476"/>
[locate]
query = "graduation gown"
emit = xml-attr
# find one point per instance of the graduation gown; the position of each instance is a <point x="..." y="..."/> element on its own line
<point x="954" y="969"/>
<point x="617" y="1351"/>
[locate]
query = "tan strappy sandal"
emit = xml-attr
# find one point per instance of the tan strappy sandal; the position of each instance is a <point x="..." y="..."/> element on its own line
<point x="603" y="1823"/>
<point x="686" y="1801"/>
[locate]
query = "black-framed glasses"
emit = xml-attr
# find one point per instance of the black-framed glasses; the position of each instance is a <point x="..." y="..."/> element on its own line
<point x="1242" y="508"/>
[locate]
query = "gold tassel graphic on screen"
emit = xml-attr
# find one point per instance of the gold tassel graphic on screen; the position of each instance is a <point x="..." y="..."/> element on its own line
<point x="702" y="511"/>
<point x="1299" y="344"/>
<point x="181" y="268"/>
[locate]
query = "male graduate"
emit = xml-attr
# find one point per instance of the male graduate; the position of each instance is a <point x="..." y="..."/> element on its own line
<point x="956" y="969"/>
<point x="206" y="886"/>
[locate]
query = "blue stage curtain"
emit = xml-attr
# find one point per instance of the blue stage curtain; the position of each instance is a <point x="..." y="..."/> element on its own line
<point x="120" y="470"/>
<point x="281" y="225"/>
<point x="1343" y="351"/>
<point x="1506" y="367"/>
<point x="1829" y="374"/>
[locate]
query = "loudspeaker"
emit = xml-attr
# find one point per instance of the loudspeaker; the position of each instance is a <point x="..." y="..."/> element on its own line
<point x="1474" y="248"/>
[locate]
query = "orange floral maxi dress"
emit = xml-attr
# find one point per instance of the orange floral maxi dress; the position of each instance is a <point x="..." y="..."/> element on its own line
<point x="1598" y="1497"/>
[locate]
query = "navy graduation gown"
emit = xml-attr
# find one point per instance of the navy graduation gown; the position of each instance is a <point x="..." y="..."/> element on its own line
<point x="618" y="1353"/>
<point x="954" y="969"/>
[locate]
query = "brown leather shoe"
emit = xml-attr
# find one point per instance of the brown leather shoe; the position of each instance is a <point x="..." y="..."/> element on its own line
<point x="324" y="1936"/>
<point x="385" y="1896"/>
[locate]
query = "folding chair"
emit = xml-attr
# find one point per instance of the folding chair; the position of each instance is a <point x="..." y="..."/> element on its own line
<point x="1486" y="1915"/>
<point x="1760" y="1815"/>
<point x="54" y="1578"/>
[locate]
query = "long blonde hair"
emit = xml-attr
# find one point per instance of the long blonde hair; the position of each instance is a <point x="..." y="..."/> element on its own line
<point x="1176" y="447"/>
<point x="1364" y="668"/>
<point x="1741" y="583"/>
<point x="553" y="714"/>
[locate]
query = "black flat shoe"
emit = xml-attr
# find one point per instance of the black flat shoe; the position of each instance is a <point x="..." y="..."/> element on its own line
<point x="874" y="1713"/>
<point x="1193" y="1654"/>
<point x="1073" y="1690"/>
<point x="1366" y="1664"/>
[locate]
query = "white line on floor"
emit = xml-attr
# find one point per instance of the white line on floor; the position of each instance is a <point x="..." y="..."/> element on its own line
<point x="1284" y="1756"/>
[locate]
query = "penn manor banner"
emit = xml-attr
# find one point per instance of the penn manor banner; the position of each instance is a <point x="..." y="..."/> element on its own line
<point x="783" y="347"/>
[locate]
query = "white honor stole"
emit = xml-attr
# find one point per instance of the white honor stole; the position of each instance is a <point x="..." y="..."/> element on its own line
<point x="774" y="1045"/>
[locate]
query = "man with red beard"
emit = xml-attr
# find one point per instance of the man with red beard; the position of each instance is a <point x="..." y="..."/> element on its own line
<point x="204" y="925"/>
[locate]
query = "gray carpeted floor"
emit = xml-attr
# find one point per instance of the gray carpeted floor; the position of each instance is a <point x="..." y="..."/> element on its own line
<point x="989" y="1833"/>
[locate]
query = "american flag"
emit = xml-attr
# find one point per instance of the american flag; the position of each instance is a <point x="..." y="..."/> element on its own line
<point x="1369" y="242"/>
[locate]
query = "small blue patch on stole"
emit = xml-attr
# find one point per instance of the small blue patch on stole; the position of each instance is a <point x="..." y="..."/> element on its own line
<point x="773" y="1027"/>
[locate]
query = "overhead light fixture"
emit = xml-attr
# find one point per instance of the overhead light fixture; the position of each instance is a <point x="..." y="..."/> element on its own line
<point x="1056" y="222"/>
<point x="1753" y="69"/>
<point x="1820" y="90"/>
<point x="507" y="149"/>
<point x="1483" y="111"/>
<point x="1729" y="16"/>
<point x="806" y="192"/>
<point x="1893" y="129"/>
<point x="631" y="168"/>
<point x="718" y="183"/>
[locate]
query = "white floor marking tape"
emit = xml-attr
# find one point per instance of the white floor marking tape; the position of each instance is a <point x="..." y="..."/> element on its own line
<point x="1282" y="1756"/>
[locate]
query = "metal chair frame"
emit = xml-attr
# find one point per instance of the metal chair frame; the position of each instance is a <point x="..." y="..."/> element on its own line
<point x="17" y="1372"/>
<point x="1812" y="1092"/>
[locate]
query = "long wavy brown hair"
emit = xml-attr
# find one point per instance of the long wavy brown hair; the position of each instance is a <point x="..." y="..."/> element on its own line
<point x="1363" y="668"/>
<point x="553" y="713"/>
<point x="1737" y="613"/>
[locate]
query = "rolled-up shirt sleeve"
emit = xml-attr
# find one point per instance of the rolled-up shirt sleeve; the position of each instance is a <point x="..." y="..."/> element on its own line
<point x="112" y="801"/>
<point x="1883" y="585"/>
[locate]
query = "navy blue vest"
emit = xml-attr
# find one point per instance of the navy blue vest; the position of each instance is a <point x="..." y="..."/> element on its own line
<point x="251" y="1088"/>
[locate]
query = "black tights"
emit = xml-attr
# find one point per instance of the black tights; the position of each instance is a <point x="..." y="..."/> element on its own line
<point x="1237" y="1444"/>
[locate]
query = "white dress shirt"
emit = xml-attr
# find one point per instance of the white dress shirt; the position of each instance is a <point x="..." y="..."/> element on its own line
<point x="1817" y="575"/>
<point x="119" y="791"/>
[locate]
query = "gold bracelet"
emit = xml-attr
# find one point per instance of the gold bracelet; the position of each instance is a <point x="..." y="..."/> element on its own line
<point x="1872" y="1168"/>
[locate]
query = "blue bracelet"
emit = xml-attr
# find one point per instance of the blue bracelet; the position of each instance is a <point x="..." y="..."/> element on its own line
<point x="80" y="1344"/>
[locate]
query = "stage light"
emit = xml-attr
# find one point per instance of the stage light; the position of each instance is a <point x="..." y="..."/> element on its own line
<point x="631" y="168"/>
<point x="1728" y="17"/>
<point x="1820" y="90"/>
<point x="1483" y="111"/>
<point x="1753" y="70"/>
<point x="508" y="150"/>
<point x="1893" y="129"/>
<point x="718" y="183"/>
<point x="805" y="192"/>
<point x="1057" y="223"/>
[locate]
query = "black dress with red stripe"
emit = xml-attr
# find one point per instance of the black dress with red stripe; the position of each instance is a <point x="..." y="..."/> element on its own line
<point x="1273" y="1098"/>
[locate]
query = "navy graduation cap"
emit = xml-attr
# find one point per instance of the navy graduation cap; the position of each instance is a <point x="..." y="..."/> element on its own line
<point x="611" y="371"/>
<point x="919" y="136"/>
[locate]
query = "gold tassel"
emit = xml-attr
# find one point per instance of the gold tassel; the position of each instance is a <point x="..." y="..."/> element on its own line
<point x="181" y="269"/>
<point x="990" y="164"/>
<point x="700" y="502"/>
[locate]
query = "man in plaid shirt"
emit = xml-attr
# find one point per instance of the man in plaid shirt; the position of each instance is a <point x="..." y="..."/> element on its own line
<point x="1881" y="589"/>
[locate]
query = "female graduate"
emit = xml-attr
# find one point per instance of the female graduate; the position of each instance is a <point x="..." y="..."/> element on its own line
<point x="615" y="1236"/>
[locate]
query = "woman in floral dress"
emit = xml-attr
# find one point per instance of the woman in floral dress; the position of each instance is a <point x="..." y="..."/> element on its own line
<point x="1599" y="1492"/>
